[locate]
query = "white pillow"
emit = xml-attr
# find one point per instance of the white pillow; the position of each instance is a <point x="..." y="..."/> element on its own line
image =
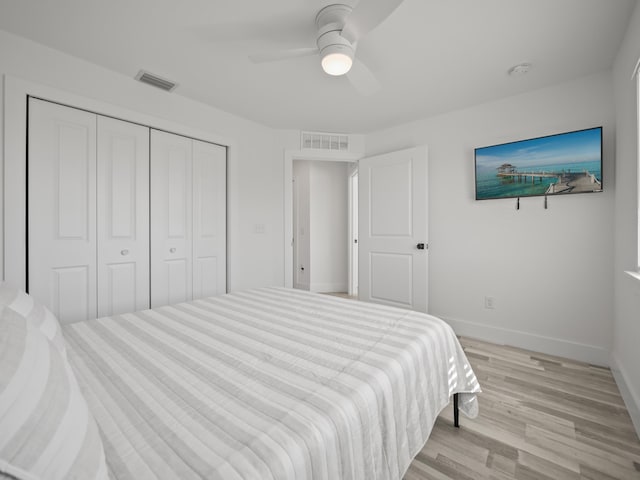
<point x="47" y="429"/>
<point x="35" y="313"/>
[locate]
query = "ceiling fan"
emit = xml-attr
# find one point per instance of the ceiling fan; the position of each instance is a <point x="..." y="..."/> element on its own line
<point x="339" y="27"/>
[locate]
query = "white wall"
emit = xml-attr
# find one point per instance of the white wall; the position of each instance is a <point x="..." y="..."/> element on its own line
<point x="550" y="271"/>
<point x="255" y="178"/>
<point x="626" y="331"/>
<point x="328" y="211"/>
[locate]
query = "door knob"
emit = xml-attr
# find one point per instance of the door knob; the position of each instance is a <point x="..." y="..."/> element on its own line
<point x="172" y="250"/>
<point x="420" y="246"/>
<point x="124" y="252"/>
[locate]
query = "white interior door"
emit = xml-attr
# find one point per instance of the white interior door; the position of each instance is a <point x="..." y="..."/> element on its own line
<point x="171" y="219"/>
<point x="123" y="216"/>
<point x="209" y="219"/>
<point x="61" y="214"/>
<point x="392" y="228"/>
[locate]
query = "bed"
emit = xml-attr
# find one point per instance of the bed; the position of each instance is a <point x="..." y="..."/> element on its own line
<point x="270" y="383"/>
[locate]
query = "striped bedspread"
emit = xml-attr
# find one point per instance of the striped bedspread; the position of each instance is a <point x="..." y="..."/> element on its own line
<point x="268" y="384"/>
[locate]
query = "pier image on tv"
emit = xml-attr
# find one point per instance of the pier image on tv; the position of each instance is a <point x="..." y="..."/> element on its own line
<point x="559" y="164"/>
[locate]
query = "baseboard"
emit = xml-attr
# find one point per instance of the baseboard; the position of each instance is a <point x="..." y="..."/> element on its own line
<point x="631" y="399"/>
<point x="538" y="343"/>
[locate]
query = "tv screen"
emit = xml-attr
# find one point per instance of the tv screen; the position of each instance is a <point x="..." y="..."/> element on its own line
<point x="559" y="164"/>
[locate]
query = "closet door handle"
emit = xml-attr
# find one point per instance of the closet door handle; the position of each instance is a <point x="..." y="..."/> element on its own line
<point x="124" y="252"/>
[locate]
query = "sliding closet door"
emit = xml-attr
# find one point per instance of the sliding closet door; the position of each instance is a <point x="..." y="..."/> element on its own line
<point x="123" y="216"/>
<point x="171" y="219"/>
<point x="61" y="211"/>
<point x="209" y="219"/>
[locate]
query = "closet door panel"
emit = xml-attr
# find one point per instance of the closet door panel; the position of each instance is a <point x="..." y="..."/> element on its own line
<point x="171" y="219"/>
<point x="118" y="288"/>
<point x="70" y="293"/>
<point x="123" y="216"/>
<point x="209" y="217"/>
<point x="177" y="271"/>
<point x="61" y="214"/>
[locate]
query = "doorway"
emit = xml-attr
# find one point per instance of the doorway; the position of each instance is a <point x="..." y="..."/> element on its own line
<point x="322" y="226"/>
<point x="379" y="172"/>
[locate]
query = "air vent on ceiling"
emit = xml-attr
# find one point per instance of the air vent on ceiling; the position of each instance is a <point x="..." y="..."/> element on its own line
<point x="325" y="141"/>
<point x="156" y="81"/>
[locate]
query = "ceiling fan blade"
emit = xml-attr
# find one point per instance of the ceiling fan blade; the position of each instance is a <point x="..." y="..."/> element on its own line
<point x="282" y="54"/>
<point x="366" y="16"/>
<point x="362" y="79"/>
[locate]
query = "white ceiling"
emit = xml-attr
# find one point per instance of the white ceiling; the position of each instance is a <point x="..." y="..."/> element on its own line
<point x="431" y="56"/>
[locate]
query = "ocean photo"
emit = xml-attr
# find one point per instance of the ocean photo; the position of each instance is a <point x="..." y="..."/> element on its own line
<point x="557" y="164"/>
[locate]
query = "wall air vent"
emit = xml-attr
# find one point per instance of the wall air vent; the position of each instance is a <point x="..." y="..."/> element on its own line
<point x="156" y="81"/>
<point x="324" y="141"/>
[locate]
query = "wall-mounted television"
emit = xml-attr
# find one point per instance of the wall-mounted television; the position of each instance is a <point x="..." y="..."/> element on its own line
<point x="560" y="164"/>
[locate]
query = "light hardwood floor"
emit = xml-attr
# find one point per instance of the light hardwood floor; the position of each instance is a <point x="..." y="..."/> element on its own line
<point x="541" y="417"/>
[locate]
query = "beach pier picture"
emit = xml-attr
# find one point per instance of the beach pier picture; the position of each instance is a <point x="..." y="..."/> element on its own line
<point x="557" y="164"/>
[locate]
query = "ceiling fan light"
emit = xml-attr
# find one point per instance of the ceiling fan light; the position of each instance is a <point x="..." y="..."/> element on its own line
<point x="336" y="63"/>
<point x="337" y="59"/>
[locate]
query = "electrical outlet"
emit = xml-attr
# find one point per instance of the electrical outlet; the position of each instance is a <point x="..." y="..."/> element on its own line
<point x="489" y="302"/>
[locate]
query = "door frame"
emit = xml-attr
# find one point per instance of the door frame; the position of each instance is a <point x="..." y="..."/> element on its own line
<point x="13" y="208"/>
<point x="289" y="157"/>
